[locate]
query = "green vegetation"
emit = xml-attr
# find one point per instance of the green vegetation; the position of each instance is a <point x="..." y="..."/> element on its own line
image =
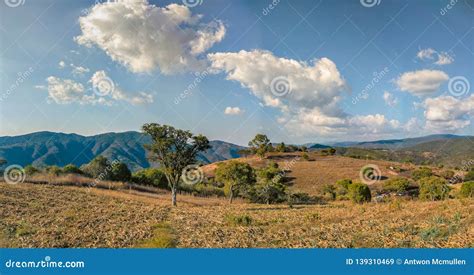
<point x="269" y="187"/>
<point x="120" y="172"/>
<point x="98" y="168"/>
<point x="163" y="237"/>
<point x="151" y="176"/>
<point x="467" y="190"/>
<point x="359" y="192"/>
<point x="447" y="174"/>
<point x="174" y="150"/>
<point x="422" y="172"/>
<point x="469" y="176"/>
<point x="30" y="170"/>
<point x="433" y="189"/>
<point x="236" y="176"/>
<point x="260" y="145"/>
<point x="398" y="184"/>
<point x="71" y="169"/>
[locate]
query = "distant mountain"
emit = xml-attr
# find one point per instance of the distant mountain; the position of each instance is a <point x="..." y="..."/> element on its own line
<point x="395" y="144"/>
<point x="48" y="148"/>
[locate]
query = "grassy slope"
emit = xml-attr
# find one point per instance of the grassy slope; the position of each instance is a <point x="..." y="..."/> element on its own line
<point x="57" y="216"/>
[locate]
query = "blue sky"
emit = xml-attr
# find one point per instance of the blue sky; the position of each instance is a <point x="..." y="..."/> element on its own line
<point x="349" y="70"/>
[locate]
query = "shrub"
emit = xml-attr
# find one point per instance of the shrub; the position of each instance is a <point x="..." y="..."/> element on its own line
<point x="433" y="189"/>
<point x="396" y="185"/>
<point x="151" y="176"/>
<point x="359" y="192"/>
<point x="30" y="170"/>
<point x="447" y="174"/>
<point x="469" y="176"/>
<point x="268" y="192"/>
<point x="422" y="172"/>
<point x="71" y="169"/>
<point x="305" y="156"/>
<point x="53" y="170"/>
<point x="120" y="172"/>
<point x="467" y="190"/>
<point x="302" y="198"/>
<point x="342" y="187"/>
<point x="237" y="177"/>
<point x="329" y="192"/>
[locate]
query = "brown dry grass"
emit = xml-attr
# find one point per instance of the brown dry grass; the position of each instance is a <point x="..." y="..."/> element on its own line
<point x="57" y="216"/>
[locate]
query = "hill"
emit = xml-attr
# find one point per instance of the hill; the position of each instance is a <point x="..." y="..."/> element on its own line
<point x="396" y="144"/>
<point x="48" y="148"/>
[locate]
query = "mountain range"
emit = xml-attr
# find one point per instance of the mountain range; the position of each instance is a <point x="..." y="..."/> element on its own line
<point x="49" y="148"/>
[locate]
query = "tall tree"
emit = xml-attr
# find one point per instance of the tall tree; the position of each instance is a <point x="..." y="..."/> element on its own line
<point x="260" y="144"/>
<point x="173" y="149"/>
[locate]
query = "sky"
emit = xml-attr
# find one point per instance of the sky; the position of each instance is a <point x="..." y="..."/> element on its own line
<point x="298" y="71"/>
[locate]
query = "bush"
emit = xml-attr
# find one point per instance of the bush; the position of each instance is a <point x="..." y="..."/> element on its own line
<point x="303" y="198"/>
<point x="467" y="190"/>
<point x="268" y="192"/>
<point x="422" y="172"/>
<point x="359" y="192"/>
<point x="342" y="187"/>
<point x="329" y="192"/>
<point x="30" y="170"/>
<point x="151" y="176"/>
<point x="396" y="185"/>
<point x="469" y="176"/>
<point x="433" y="189"/>
<point x="120" y="172"/>
<point x="53" y="170"/>
<point x="71" y="169"/>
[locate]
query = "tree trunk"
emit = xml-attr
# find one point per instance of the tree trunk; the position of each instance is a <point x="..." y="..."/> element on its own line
<point x="173" y="196"/>
<point x="231" y="196"/>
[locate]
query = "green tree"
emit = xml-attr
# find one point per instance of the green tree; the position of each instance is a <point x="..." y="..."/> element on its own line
<point x="342" y="187"/>
<point x="433" y="189"/>
<point x="281" y="147"/>
<point x="236" y="176"/>
<point x="260" y="145"/>
<point x="99" y="168"/>
<point x="53" y="170"/>
<point x="269" y="188"/>
<point x="120" y="172"/>
<point x="398" y="184"/>
<point x="71" y="169"/>
<point x="151" y="176"/>
<point x="359" y="192"/>
<point x="174" y="150"/>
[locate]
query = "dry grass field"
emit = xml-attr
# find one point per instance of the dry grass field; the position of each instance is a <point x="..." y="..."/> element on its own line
<point x="34" y="215"/>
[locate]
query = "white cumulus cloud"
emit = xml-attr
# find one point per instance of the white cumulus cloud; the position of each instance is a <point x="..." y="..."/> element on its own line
<point x="66" y="91"/>
<point x="145" y="37"/>
<point x="446" y="113"/>
<point x="232" y="111"/>
<point x="421" y="83"/>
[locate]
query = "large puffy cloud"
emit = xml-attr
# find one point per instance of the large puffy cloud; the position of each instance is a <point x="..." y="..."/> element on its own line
<point x="421" y="83"/>
<point x="308" y="94"/>
<point x="446" y="113"/>
<point x="145" y="37"/>
<point x="284" y="83"/>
